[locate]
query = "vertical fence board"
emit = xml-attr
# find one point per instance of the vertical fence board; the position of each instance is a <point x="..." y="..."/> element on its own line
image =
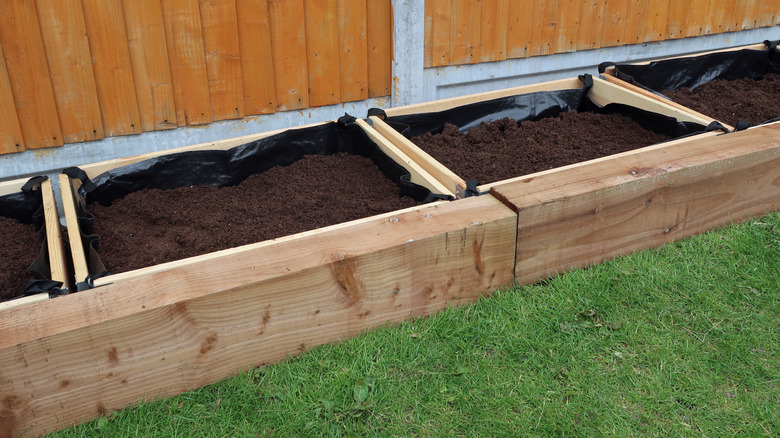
<point x="254" y="34"/>
<point x="379" y="33"/>
<point x="111" y="62"/>
<point x="767" y="13"/>
<point x="589" y="34"/>
<point x="184" y="40"/>
<point x="676" y="19"/>
<point x="149" y="59"/>
<point x="427" y="36"/>
<point x="713" y="22"/>
<point x="518" y="32"/>
<point x="67" y="52"/>
<point x="288" y="47"/>
<point x="696" y="18"/>
<point x="653" y="24"/>
<point x="494" y="30"/>
<point x="465" y="32"/>
<point x="749" y="19"/>
<point x="322" y="51"/>
<point x="543" y="28"/>
<point x="614" y="23"/>
<point x="442" y="13"/>
<point x="223" y="58"/>
<point x="635" y="13"/>
<point x="567" y="23"/>
<point x="733" y="12"/>
<point x="28" y="74"/>
<point x="353" y="50"/>
<point x="11" y="139"/>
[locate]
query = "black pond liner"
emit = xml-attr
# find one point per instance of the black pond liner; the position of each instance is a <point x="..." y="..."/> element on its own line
<point x="691" y="72"/>
<point x="532" y="106"/>
<point x="26" y="206"/>
<point x="221" y="168"/>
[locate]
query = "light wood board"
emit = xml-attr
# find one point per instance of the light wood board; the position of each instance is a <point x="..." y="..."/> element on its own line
<point x="86" y="354"/>
<point x="582" y="215"/>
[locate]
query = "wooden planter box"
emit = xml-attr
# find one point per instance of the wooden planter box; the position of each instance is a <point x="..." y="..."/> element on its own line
<point x="585" y="213"/>
<point x="163" y="330"/>
<point x="54" y="243"/>
<point x="602" y="93"/>
<point x="618" y="74"/>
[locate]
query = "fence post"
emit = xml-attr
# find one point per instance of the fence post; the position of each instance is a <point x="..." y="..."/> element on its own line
<point x="408" y="49"/>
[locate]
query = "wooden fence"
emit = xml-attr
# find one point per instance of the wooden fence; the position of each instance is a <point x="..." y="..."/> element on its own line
<point x="79" y="70"/>
<point x="472" y="31"/>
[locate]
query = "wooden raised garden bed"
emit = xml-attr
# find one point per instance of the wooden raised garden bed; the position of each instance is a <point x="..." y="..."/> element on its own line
<point x="736" y="85"/>
<point x="169" y="328"/>
<point x="584" y="213"/>
<point x="28" y="210"/>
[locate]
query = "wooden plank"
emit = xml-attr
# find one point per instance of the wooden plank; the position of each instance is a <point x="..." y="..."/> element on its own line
<point x="492" y="46"/>
<point x="543" y="28"/>
<point x="54" y="244"/>
<point x="322" y="51"/>
<point x="150" y="63"/>
<point x="676" y="20"/>
<point x="767" y="13"/>
<point x="613" y="80"/>
<point x="419" y="175"/>
<point x="578" y="217"/>
<point x="223" y="58"/>
<point x="67" y="52"/>
<point x="697" y="18"/>
<point x="379" y="32"/>
<point x="184" y="41"/>
<point x="591" y="25"/>
<point x="28" y="74"/>
<point x="614" y="29"/>
<point x="453" y="184"/>
<point x="567" y="23"/>
<point x="99" y="350"/>
<point x="452" y="102"/>
<point x="441" y="32"/>
<point x="603" y="93"/>
<point x="78" y="256"/>
<point x="254" y="34"/>
<point x="16" y="302"/>
<point x="465" y="32"/>
<point x="353" y="50"/>
<point x="733" y="13"/>
<point x="713" y="22"/>
<point x="105" y="24"/>
<point x="519" y="28"/>
<point x="635" y="13"/>
<point x="750" y="17"/>
<point x="288" y="47"/>
<point x="11" y="139"/>
<point x="654" y="20"/>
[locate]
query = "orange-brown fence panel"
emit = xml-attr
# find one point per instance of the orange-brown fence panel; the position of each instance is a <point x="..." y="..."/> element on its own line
<point x="79" y="70"/>
<point x="533" y="28"/>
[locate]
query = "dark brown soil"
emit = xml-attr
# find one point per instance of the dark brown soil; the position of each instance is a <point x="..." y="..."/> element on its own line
<point x="153" y="226"/>
<point x="20" y="246"/>
<point x="749" y="100"/>
<point x="503" y="149"/>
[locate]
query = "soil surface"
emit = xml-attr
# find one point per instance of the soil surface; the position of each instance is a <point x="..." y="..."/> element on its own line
<point x="503" y="149"/>
<point x="20" y="246"/>
<point x="749" y="100"/>
<point x="154" y="226"/>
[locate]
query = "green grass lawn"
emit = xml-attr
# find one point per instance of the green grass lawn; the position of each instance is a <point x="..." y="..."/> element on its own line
<point x="682" y="340"/>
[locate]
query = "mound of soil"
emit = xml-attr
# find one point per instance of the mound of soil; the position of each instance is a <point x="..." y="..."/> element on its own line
<point x="749" y="100"/>
<point x="505" y="149"/>
<point x="154" y="226"/>
<point x="20" y="246"/>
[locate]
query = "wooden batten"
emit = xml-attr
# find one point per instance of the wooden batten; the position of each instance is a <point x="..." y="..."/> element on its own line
<point x="58" y="269"/>
<point x="583" y="214"/>
<point x="86" y="354"/>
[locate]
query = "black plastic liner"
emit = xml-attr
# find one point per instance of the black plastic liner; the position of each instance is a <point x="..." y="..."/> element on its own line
<point x="26" y="206"/>
<point x="533" y="106"/>
<point x="221" y="168"/>
<point x="690" y="72"/>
